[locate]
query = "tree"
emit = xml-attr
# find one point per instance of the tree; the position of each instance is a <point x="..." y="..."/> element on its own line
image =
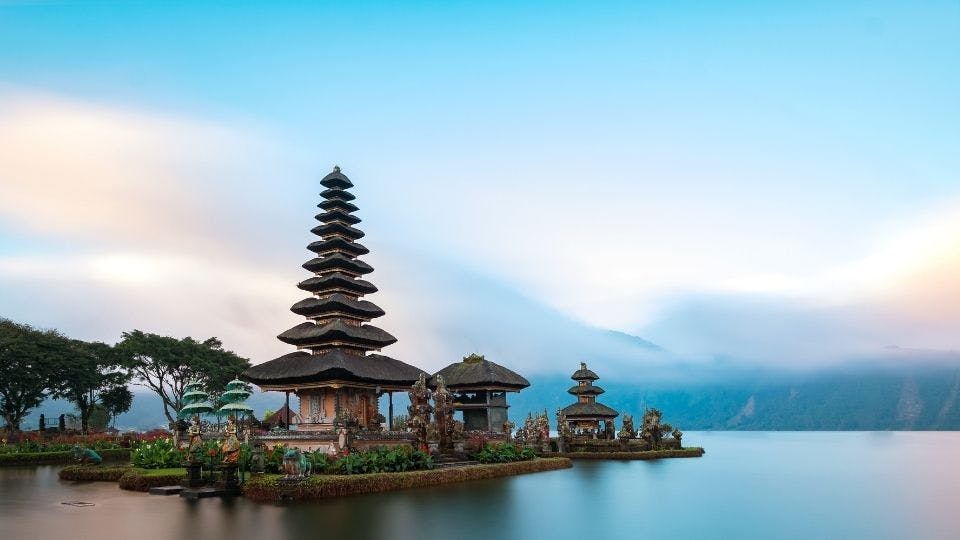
<point x="91" y="372"/>
<point x="166" y="364"/>
<point x="116" y="400"/>
<point x="27" y="359"/>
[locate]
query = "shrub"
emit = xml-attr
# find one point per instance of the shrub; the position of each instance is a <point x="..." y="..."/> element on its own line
<point x="270" y="488"/>
<point x="93" y="473"/>
<point x="397" y="459"/>
<point x="51" y="458"/>
<point x="503" y="453"/>
<point x="143" y="479"/>
<point x="159" y="454"/>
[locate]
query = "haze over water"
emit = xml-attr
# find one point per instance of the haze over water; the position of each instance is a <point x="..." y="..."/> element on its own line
<point x="750" y="485"/>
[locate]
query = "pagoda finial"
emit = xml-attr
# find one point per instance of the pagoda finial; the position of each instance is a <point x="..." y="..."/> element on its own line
<point x="336" y="168"/>
<point x="583" y="365"/>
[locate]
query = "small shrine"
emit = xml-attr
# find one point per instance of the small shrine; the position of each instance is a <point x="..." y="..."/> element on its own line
<point x="586" y="417"/>
<point x="337" y="371"/>
<point x="479" y="388"/>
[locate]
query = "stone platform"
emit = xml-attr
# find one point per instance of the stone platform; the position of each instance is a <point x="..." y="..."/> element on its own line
<point x="166" y="490"/>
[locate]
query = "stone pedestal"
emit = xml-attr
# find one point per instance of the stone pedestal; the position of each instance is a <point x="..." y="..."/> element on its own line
<point x="231" y="484"/>
<point x="194" y="479"/>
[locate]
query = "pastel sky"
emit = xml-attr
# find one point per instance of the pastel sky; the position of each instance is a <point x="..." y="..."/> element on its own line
<point x="766" y="181"/>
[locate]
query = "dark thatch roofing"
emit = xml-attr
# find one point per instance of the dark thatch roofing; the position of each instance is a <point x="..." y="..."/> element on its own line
<point x="589" y="410"/>
<point x="584" y="374"/>
<point x="335" y="193"/>
<point x="282" y="417"/>
<point x="475" y="371"/>
<point x="303" y="367"/>
<point x="336" y="331"/>
<point x="337" y="281"/>
<point x="337" y="243"/>
<point x="338" y="262"/>
<point x="337" y="203"/>
<point x="346" y="231"/>
<point x="336" y="179"/>
<point x="585" y="390"/>
<point x="337" y="215"/>
<point x="337" y="303"/>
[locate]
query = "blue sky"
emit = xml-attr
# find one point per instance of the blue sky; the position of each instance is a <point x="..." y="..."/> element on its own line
<point x="681" y="170"/>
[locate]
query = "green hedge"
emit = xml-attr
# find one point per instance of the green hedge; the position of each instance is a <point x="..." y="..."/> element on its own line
<point x="144" y="479"/>
<point x="56" y="458"/>
<point x="648" y="454"/>
<point x="93" y="473"/>
<point x="272" y="488"/>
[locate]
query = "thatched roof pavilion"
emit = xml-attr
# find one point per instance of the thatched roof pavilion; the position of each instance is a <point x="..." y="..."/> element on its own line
<point x="479" y="387"/>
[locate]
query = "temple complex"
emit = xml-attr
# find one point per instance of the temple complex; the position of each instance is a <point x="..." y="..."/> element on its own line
<point x="337" y="371"/>
<point x="479" y="389"/>
<point x="586" y="415"/>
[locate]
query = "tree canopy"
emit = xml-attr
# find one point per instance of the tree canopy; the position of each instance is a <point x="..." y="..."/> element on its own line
<point x="92" y="371"/>
<point x="28" y="357"/>
<point x="166" y="364"/>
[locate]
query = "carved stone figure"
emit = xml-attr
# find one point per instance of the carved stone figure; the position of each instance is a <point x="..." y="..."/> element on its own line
<point x="296" y="464"/>
<point x="86" y="455"/>
<point x="230" y="447"/>
<point x="626" y="430"/>
<point x="420" y="410"/>
<point x="543" y="427"/>
<point x="608" y="429"/>
<point x="195" y="446"/>
<point x="443" y="415"/>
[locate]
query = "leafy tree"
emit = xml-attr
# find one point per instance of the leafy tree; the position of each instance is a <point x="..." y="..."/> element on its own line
<point x="27" y="358"/>
<point x="116" y="400"/>
<point x="166" y="364"/>
<point x="86" y="376"/>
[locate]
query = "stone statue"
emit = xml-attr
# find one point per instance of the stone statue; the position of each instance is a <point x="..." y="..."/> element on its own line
<point x="608" y="429"/>
<point x="443" y="415"/>
<point x="419" y="410"/>
<point x="626" y="430"/>
<point x="543" y="427"/>
<point x="230" y="447"/>
<point x="296" y="464"/>
<point x="343" y="440"/>
<point x="86" y="455"/>
<point x="195" y="446"/>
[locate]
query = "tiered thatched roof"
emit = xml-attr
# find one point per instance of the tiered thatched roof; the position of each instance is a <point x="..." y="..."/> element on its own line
<point x="337" y="336"/>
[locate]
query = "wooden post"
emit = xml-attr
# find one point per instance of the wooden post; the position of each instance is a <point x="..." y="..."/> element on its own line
<point x="286" y="419"/>
<point x="390" y="411"/>
<point x="489" y="425"/>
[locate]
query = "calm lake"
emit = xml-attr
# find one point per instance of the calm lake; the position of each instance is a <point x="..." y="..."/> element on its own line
<point x="759" y="485"/>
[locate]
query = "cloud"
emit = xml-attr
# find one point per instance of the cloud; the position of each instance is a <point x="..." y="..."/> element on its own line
<point x="118" y="218"/>
<point x="904" y="293"/>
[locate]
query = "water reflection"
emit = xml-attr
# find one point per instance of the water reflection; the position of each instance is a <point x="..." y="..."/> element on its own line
<point x="749" y="485"/>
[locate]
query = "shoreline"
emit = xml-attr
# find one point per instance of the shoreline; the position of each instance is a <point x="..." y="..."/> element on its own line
<point x="271" y="488"/>
<point x="645" y="455"/>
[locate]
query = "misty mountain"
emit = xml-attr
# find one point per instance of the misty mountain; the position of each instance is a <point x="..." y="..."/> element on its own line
<point x="910" y="397"/>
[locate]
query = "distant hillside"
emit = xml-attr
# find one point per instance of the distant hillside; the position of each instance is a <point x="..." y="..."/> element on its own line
<point x="146" y="412"/>
<point x="915" y="397"/>
<point x="909" y="398"/>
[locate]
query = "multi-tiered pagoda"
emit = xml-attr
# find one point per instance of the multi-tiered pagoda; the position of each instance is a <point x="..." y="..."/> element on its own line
<point x="336" y="372"/>
<point x="586" y="415"/>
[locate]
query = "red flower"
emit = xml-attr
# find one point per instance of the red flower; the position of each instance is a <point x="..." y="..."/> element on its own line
<point x="211" y="452"/>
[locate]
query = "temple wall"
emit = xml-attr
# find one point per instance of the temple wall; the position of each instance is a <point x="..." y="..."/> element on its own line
<point x="318" y="406"/>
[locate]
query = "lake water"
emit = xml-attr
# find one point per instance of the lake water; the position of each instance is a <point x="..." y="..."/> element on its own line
<point x="748" y="485"/>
